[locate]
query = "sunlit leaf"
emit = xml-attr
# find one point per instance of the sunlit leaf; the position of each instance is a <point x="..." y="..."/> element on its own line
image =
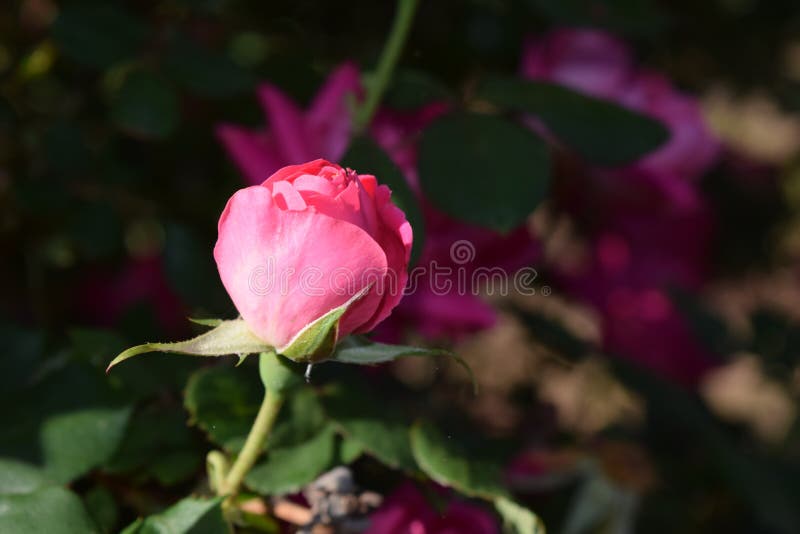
<point x="51" y="509"/>
<point x="517" y="519"/>
<point x="374" y="427"/>
<point x="189" y="516"/>
<point x="31" y="503"/>
<point x="445" y="461"/>
<point x="287" y="469"/>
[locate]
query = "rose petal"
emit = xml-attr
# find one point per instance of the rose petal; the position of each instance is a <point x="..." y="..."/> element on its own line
<point x="284" y="269"/>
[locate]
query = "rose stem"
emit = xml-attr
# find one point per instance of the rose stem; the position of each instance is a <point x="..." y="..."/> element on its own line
<point x="254" y="444"/>
<point x="387" y="62"/>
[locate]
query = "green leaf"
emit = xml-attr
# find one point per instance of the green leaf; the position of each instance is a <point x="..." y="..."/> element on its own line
<point x="145" y="106"/>
<point x="69" y="423"/>
<point x="633" y="17"/>
<point x="150" y="376"/>
<point x="367" y="157"/>
<point x="96" y="230"/>
<point x="19" y="478"/>
<point x="189" y="266"/>
<point x="205" y="72"/>
<point x="65" y="148"/>
<point x="599" y="503"/>
<point x="49" y="509"/>
<point x="98" y="34"/>
<point x="301" y="418"/>
<point x="552" y="334"/>
<point x="349" y="451"/>
<point x="517" y="519"/>
<point x="352" y="350"/>
<point x="483" y="169"/>
<point x="288" y="469"/>
<point x="223" y="402"/>
<point x="158" y="445"/>
<point x="412" y="89"/>
<point x="601" y="131"/>
<point x="30" y="502"/>
<point x="22" y="355"/>
<point x="189" y="516"/>
<point x="374" y="427"/>
<point x="447" y="462"/>
<point x="317" y="340"/>
<point x="74" y="443"/>
<point x="93" y="345"/>
<point x="102" y="508"/>
<point x="230" y="337"/>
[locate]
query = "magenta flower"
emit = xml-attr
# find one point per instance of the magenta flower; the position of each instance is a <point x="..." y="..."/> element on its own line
<point x="293" y="135"/>
<point x="407" y="512"/>
<point x="648" y="225"/>
<point x="598" y="64"/>
<point x="646" y="239"/>
<point x="454" y="314"/>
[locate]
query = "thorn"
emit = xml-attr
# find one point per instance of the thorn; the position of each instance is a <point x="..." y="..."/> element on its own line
<point x="308" y="372"/>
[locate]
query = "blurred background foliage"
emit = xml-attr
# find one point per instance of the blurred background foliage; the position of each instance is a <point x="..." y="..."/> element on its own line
<point x="112" y="180"/>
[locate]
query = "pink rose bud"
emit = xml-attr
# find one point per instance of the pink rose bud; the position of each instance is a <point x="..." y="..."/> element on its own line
<point x="310" y="239"/>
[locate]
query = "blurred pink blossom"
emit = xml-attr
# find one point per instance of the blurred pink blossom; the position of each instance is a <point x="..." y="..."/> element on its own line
<point x="106" y="296"/>
<point x="645" y="239"/>
<point x="649" y="227"/>
<point x="454" y="315"/>
<point x="406" y="511"/>
<point x="598" y="64"/>
<point x="294" y="136"/>
<point x="324" y="130"/>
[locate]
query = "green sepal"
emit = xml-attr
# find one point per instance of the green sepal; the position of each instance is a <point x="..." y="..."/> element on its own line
<point x="277" y="373"/>
<point x="213" y="323"/>
<point x="317" y="341"/>
<point x="229" y="337"/>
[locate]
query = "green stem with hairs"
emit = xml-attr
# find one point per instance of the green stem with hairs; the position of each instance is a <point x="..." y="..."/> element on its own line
<point x="254" y="444"/>
<point x="280" y="377"/>
<point x="388" y="61"/>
